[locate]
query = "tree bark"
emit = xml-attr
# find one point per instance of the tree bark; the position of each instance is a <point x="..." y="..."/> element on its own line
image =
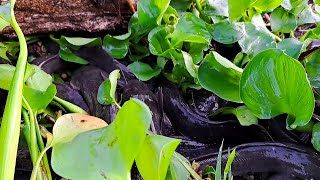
<point x="48" y="16"/>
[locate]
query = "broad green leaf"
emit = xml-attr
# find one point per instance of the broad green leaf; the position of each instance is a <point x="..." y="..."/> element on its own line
<point x="253" y="38"/>
<point x="154" y="159"/>
<point x="190" y="28"/>
<point x="245" y="116"/>
<point x="305" y="14"/>
<point x="317" y="2"/>
<point x="225" y="32"/>
<point x="265" y="5"/>
<point x="158" y="43"/>
<point x="138" y="52"/>
<point x="116" y="48"/>
<point x="291" y="46"/>
<point x="39" y="100"/>
<point x="191" y="68"/>
<point x="150" y="12"/>
<point x="196" y="51"/>
<point x="107" y="90"/>
<point x="40" y="80"/>
<point x="237" y="8"/>
<point x="68" y="126"/>
<point x="79" y="41"/>
<point x="313" y="69"/>
<point x="282" y="21"/>
<point x="106" y="153"/>
<point x="316" y="136"/>
<point x="170" y="17"/>
<point x="67" y="55"/>
<point x="220" y="76"/>
<point x="274" y="83"/>
<point x="217" y="8"/>
<point x="181" y="7"/>
<point x="6" y="75"/>
<point x="143" y="71"/>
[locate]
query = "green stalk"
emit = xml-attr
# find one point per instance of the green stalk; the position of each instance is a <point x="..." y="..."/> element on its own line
<point x="10" y="127"/>
<point x="69" y="106"/>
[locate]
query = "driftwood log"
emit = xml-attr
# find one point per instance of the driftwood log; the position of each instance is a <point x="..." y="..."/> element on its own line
<point x="47" y="16"/>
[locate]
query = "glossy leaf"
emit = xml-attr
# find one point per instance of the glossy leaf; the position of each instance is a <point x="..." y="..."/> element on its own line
<point x="237" y="8"/>
<point x="220" y="76"/>
<point x="150" y="12"/>
<point x="79" y="41"/>
<point x="191" y="68"/>
<point x="282" y="21"/>
<point x="6" y="75"/>
<point x="218" y="8"/>
<point x="177" y="170"/>
<point x="107" y="90"/>
<point x="292" y="47"/>
<point x="245" y="116"/>
<point x="154" y="159"/>
<point x="106" y="153"/>
<point x="316" y="136"/>
<point x="158" y="43"/>
<point x="39" y="100"/>
<point x="143" y="71"/>
<point x="190" y="28"/>
<point x="265" y="5"/>
<point x="5" y="16"/>
<point x="40" y="80"/>
<point x="115" y="47"/>
<point x="274" y="83"/>
<point x="225" y="32"/>
<point x="67" y="55"/>
<point x="313" y="69"/>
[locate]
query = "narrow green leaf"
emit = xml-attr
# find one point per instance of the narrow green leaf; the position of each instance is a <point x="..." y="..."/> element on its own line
<point x="313" y="69"/>
<point x="227" y="169"/>
<point x="67" y="55"/>
<point x="218" y="171"/>
<point x="316" y="136"/>
<point x="191" y="68"/>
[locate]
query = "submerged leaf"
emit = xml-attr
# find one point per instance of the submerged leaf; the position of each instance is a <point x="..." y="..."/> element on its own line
<point x="274" y="83"/>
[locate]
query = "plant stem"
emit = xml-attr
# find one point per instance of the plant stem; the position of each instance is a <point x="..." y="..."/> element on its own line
<point x="10" y="126"/>
<point x="37" y="165"/>
<point x="41" y="146"/>
<point x="69" y="106"/>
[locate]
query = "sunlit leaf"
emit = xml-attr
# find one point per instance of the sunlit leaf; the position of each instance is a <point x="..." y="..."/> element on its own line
<point x="274" y="83"/>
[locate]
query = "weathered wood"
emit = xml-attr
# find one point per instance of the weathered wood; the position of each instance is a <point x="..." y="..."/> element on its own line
<point x="47" y="16"/>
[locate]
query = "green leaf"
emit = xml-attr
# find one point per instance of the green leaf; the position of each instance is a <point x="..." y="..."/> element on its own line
<point x="143" y="71"/>
<point x="311" y="34"/>
<point x="196" y="51"/>
<point x="154" y="159"/>
<point x="67" y="55"/>
<point x="190" y="28"/>
<point x="6" y="75"/>
<point x="274" y="83"/>
<point x="116" y="48"/>
<point x="291" y="46"/>
<point x="68" y="126"/>
<point x="150" y="12"/>
<point x="313" y="69"/>
<point x="176" y="170"/>
<point x="106" y="153"/>
<point x="237" y="8"/>
<point x="220" y="76"/>
<point x="79" y="41"/>
<point x="316" y="136"/>
<point x="208" y="171"/>
<point x="305" y="14"/>
<point x="5" y="16"/>
<point x="254" y="38"/>
<point x="317" y="2"/>
<point x="40" y="80"/>
<point x="225" y="32"/>
<point x="39" y="100"/>
<point x="282" y="21"/>
<point x="227" y="169"/>
<point x="158" y="43"/>
<point x="217" y="8"/>
<point x="191" y="68"/>
<point x="107" y="90"/>
<point x="265" y="5"/>
<point x="245" y="116"/>
<point x="218" y="171"/>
